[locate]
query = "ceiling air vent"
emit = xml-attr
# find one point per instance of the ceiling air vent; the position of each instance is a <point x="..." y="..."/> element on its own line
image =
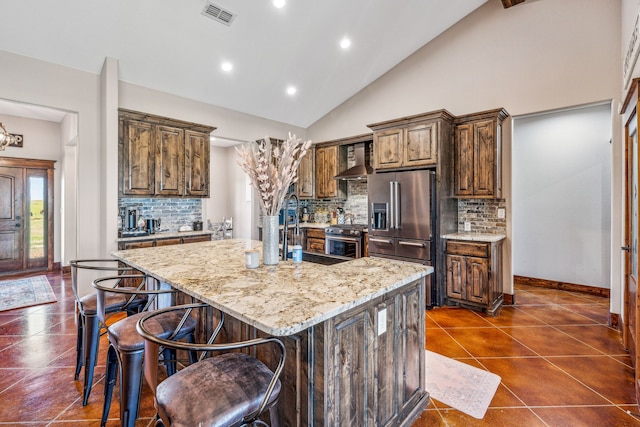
<point x="217" y="13"/>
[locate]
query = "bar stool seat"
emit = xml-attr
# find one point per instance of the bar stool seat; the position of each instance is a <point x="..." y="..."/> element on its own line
<point x="126" y="347"/>
<point x="218" y="391"/>
<point x="88" y="326"/>
<point x="226" y="387"/>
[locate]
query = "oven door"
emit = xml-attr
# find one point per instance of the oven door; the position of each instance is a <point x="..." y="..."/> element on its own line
<point x="348" y="247"/>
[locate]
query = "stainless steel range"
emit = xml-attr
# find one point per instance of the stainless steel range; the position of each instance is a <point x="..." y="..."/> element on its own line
<point x="344" y="240"/>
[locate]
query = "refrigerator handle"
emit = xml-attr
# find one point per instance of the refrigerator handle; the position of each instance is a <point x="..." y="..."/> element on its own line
<point x="392" y="203"/>
<point x="396" y="195"/>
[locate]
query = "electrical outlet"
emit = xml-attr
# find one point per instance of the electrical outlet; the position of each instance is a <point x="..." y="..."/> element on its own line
<point x="467" y="226"/>
<point x="382" y="321"/>
<point x="501" y="213"/>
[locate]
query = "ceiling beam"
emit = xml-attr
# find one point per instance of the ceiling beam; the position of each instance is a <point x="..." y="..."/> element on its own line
<point x="508" y="3"/>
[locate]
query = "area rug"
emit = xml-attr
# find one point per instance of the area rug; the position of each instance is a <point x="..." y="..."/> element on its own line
<point x="25" y="292"/>
<point x="463" y="387"/>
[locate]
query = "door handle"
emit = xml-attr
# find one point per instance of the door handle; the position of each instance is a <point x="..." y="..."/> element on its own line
<point x="18" y="218"/>
<point x="625" y="248"/>
<point x="18" y="225"/>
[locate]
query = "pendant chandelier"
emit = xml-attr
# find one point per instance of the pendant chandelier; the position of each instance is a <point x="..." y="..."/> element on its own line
<point x="6" y="138"/>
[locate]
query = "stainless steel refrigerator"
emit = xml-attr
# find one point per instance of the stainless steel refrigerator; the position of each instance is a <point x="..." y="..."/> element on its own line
<point x="402" y="216"/>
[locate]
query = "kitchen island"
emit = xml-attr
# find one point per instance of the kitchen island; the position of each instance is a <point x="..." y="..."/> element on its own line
<point x="354" y="332"/>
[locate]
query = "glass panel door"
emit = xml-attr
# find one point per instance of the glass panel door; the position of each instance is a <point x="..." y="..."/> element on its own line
<point x="36" y="224"/>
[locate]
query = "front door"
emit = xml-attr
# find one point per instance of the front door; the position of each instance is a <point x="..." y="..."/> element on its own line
<point x="11" y="219"/>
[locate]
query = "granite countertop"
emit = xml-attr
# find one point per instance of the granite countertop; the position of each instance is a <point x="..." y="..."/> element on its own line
<point x="164" y="235"/>
<point x="279" y="300"/>
<point x="475" y="237"/>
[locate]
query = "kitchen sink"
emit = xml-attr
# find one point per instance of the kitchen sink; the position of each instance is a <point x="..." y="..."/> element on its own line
<point x="321" y="259"/>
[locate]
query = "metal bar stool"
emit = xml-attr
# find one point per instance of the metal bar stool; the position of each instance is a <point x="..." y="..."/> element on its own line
<point x="87" y="341"/>
<point x="231" y="389"/>
<point x="126" y="346"/>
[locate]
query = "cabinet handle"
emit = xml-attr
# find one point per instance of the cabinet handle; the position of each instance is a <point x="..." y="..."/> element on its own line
<point x="381" y="241"/>
<point x="625" y="248"/>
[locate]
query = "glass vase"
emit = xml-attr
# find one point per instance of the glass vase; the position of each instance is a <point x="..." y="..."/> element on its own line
<point x="270" y="240"/>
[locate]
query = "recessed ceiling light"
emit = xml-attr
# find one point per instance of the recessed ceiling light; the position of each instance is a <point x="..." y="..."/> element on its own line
<point x="345" y="43"/>
<point x="278" y="3"/>
<point x="291" y="90"/>
<point x="226" y="66"/>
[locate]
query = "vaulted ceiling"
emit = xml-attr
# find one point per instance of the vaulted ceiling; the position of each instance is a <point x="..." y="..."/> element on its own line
<point x="178" y="48"/>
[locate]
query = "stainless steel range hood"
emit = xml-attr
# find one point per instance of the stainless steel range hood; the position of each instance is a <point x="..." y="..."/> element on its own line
<point x="361" y="169"/>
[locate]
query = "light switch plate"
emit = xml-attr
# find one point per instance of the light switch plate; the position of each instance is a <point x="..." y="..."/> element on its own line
<point x="382" y="321"/>
<point x="501" y="213"/>
<point x="467" y="226"/>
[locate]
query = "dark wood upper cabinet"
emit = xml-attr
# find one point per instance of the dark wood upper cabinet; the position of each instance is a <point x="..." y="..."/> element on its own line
<point x="330" y="161"/>
<point x="162" y="157"/>
<point x="306" y="176"/>
<point x="411" y="142"/>
<point x="478" y="154"/>
<point x="169" y="156"/>
<point x="197" y="164"/>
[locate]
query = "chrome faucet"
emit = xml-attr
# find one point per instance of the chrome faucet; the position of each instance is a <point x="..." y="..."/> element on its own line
<point x="285" y="206"/>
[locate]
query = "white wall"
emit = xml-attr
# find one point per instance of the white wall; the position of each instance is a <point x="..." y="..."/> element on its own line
<point x="537" y="56"/>
<point x="562" y="196"/>
<point x="41" y="141"/>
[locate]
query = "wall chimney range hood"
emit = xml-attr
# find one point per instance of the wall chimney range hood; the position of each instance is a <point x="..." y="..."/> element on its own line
<point x="361" y="169"/>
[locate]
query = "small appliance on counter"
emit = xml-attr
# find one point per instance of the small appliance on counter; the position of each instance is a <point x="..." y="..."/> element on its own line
<point x="197" y="225"/>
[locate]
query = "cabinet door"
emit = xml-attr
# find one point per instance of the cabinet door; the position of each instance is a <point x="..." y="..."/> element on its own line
<point x="330" y="170"/>
<point x="456" y="276"/>
<point x="321" y="190"/>
<point x="477" y="279"/>
<point x="137" y="154"/>
<point x="306" y="176"/>
<point x="421" y="146"/>
<point x="387" y="149"/>
<point x="464" y="153"/>
<point x="197" y="148"/>
<point x="484" y="162"/>
<point x="326" y="169"/>
<point x="169" y="161"/>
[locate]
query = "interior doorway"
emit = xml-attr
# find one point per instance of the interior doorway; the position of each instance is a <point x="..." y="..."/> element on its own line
<point x="561" y="174"/>
<point x="26" y="215"/>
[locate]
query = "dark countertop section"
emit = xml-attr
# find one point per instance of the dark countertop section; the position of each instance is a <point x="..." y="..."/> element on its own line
<point x="164" y="235"/>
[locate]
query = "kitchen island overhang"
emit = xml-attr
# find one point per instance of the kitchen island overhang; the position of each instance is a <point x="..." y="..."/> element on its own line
<point x="354" y="331"/>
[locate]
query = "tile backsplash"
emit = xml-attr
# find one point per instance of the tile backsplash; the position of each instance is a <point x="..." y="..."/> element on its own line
<point x="173" y="213"/>
<point x="482" y="214"/>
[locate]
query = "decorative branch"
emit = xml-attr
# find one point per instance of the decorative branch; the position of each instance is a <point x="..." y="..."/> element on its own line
<point x="272" y="169"/>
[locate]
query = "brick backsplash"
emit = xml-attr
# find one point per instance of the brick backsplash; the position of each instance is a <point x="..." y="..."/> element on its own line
<point x="355" y="204"/>
<point x="482" y="214"/>
<point x="173" y="213"/>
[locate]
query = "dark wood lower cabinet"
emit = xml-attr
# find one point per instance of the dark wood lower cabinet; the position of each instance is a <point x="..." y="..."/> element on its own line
<point x="362" y="367"/>
<point x="474" y="274"/>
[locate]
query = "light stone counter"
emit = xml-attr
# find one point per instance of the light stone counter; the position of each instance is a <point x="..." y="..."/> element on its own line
<point x="279" y="300"/>
<point x="475" y="237"/>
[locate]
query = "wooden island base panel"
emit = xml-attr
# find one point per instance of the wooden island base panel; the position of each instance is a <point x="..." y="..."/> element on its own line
<point x="354" y="331"/>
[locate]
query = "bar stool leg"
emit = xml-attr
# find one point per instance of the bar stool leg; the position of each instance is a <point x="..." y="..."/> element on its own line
<point x="130" y="386"/>
<point x="91" y="342"/>
<point x="109" y="383"/>
<point x="79" y="342"/>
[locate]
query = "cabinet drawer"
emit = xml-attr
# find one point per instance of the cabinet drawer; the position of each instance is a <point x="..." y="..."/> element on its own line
<point x="318" y="233"/>
<point x="315" y="245"/>
<point x="167" y="242"/>
<point x="468" y="248"/>
<point x="195" y="239"/>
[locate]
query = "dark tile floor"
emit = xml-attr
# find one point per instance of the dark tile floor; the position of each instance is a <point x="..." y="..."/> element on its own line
<point x="560" y="364"/>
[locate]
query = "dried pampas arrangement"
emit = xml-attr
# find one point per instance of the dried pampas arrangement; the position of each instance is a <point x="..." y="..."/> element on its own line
<point x="272" y="168"/>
